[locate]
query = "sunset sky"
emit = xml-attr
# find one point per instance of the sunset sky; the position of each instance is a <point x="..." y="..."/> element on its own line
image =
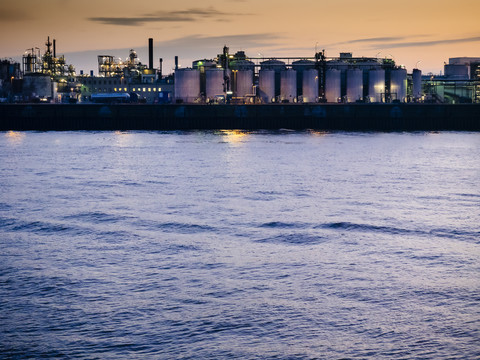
<point x="426" y="32"/>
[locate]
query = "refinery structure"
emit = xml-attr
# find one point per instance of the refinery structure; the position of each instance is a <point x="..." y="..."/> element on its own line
<point x="236" y="78"/>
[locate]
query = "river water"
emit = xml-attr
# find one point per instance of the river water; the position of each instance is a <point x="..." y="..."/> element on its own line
<point x="221" y="245"/>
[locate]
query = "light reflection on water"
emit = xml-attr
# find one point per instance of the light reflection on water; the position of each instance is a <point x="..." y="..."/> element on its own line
<point x="235" y="244"/>
<point x="15" y="137"/>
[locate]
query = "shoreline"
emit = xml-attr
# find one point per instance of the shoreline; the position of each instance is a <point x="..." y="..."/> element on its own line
<point x="347" y="117"/>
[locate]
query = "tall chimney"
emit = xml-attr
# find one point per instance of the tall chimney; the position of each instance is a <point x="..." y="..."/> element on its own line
<point x="176" y="62"/>
<point x="54" y="48"/>
<point x="150" y="53"/>
<point x="161" y="67"/>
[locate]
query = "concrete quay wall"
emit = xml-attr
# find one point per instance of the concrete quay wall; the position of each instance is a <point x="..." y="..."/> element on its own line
<point x="343" y="117"/>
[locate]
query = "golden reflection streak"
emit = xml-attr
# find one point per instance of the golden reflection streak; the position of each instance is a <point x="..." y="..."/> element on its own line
<point x="15" y="137"/>
<point x="234" y="136"/>
<point x="122" y="138"/>
<point x="318" y="133"/>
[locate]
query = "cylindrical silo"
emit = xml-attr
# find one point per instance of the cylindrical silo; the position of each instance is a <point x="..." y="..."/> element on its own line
<point x="266" y="85"/>
<point x="310" y="85"/>
<point x="417" y="83"/>
<point x="354" y="85"/>
<point x="398" y="84"/>
<point x="376" y="85"/>
<point x="242" y="65"/>
<point x="187" y="85"/>
<point x="276" y="65"/>
<point x="300" y="66"/>
<point x="214" y="83"/>
<point x="288" y="85"/>
<point x="333" y="85"/>
<point x="242" y="82"/>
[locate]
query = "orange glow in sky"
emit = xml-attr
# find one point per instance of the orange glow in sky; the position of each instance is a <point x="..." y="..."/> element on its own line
<point x="424" y="32"/>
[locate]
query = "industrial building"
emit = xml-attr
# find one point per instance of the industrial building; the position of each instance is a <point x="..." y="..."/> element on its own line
<point x="235" y="78"/>
<point x="459" y="84"/>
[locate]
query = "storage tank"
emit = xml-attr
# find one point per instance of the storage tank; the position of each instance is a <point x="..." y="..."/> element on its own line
<point x="288" y="85"/>
<point x="310" y="85"/>
<point x="417" y="83"/>
<point x="276" y="65"/>
<point x="266" y="85"/>
<point x="333" y="85"/>
<point x="214" y="83"/>
<point x="354" y="78"/>
<point x="300" y="66"/>
<point x="242" y="65"/>
<point x="242" y="82"/>
<point x="398" y="84"/>
<point x="376" y="85"/>
<point x="273" y="64"/>
<point x="187" y="85"/>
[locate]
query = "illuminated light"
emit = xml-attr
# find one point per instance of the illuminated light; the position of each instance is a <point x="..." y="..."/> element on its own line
<point x="159" y="89"/>
<point x="234" y="136"/>
<point x="125" y="89"/>
<point x="149" y="89"/>
<point x="15" y="137"/>
<point x="154" y="89"/>
<point x="143" y="89"/>
<point x="115" y="89"/>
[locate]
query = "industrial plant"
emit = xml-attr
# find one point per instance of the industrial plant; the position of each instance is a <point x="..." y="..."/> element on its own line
<point x="235" y="78"/>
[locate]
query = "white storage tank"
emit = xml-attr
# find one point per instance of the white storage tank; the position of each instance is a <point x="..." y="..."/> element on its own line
<point x="276" y="65"/>
<point x="288" y="85"/>
<point x="300" y="66"/>
<point x="354" y="85"/>
<point x="310" y="85"/>
<point x="398" y="84"/>
<point x="242" y="82"/>
<point x="214" y="83"/>
<point x="376" y="85"/>
<point x="266" y="85"/>
<point x="242" y="65"/>
<point x="187" y="85"/>
<point x="333" y="85"/>
<point x="417" y="83"/>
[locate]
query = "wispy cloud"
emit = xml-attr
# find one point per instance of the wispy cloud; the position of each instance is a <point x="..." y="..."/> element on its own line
<point x="187" y="15"/>
<point x="369" y="40"/>
<point x="403" y="41"/>
<point x="426" y="43"/>
<point x="13" y="15"/>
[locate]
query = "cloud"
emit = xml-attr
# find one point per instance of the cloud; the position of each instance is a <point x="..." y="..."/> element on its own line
<point x="425" y="43"/>
<point x="367" y="40"/>
<point x="245" y="40"/>
<point x="396" y="42"/>
<point x="13" y="15"/>
<point x="188" y="15"/>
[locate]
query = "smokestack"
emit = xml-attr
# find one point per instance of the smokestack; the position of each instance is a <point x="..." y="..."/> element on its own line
<point x="161" y="67"/>
<point x="150" y="53"/>
<point x="176" y="62"/>
<point x="54" y="48"/>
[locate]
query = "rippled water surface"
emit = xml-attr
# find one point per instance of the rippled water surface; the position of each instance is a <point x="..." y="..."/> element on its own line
<point x="220" y="245"/>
